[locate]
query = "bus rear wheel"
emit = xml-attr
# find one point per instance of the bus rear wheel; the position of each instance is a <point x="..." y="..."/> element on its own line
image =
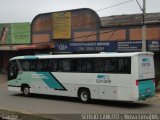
<point x="84" y="95"/>
<point x="25" y="90"/>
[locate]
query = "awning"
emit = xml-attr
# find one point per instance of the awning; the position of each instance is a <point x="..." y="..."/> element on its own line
<point x="25" y="47"/>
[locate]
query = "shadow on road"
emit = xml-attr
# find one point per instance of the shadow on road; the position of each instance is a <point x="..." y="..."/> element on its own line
<point x="121" y="104"/>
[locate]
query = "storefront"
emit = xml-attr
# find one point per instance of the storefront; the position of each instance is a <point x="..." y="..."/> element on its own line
<point x="8" y="52"/>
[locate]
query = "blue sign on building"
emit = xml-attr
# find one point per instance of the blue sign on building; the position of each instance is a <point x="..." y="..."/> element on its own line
<point x="86" y="46"/>
<point x="153" y="46"/>
<point x="107" y="46"/>
<point x="129" y="46"/>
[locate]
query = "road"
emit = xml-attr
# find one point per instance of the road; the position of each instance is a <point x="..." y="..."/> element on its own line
<point x="60" y="106"/>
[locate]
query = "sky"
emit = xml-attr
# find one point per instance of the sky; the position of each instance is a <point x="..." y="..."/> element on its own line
<point x="12" y="11"/>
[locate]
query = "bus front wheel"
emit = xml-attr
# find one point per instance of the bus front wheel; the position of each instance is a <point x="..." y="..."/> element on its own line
<point x="84" y="95"/>
<point x="25" y="90"/>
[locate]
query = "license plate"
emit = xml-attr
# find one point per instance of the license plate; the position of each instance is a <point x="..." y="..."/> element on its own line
<point x="148" y="90"/>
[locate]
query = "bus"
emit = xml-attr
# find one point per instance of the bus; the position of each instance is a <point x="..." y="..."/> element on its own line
<point x="105" y="76"/>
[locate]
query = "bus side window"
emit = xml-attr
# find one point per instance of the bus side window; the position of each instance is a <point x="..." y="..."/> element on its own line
<point x="12" y="70"/>
<point x="111" y="65"/>
<point x="32" y="65"/>
<point x="54" y="65"/>
<point x="84" y="65"/>
<point x="65" y="65"/>
<point x="124" y="65"/>
<point x="87" y="65"/>
<point x="28" y="65"/>
<point x="24" y="64"/>
<point x="50" y="65"/>
<point x="99" y="65"/>
<point x="76" y="65"/>
<point x="39" y="65"/>
<point x="45" y="65"/>
<point x="121" y="67"/>
<point x="127" y="65"/>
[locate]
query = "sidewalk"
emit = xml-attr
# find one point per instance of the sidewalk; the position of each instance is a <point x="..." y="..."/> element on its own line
<point x="3" y="78"/>
<point x="157" y="94"/>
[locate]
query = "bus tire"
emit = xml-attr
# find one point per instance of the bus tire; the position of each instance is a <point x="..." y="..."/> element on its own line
<point x="25" y="90"/>
<point x="84" y="95"/>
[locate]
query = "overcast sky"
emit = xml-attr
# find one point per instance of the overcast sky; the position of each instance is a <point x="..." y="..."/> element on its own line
<point x="25" y="10"/>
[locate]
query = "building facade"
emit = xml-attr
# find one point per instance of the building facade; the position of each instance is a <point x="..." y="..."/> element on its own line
<point x="15" y="40"/>
<point x="83" y="31"/>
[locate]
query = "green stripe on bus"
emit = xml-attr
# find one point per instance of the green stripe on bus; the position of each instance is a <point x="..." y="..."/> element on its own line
<point x="51" y="81"/>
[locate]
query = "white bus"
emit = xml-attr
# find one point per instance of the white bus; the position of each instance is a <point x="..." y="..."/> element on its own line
<point x="106" y="76"/>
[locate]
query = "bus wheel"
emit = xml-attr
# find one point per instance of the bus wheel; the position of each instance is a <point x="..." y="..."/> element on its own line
<point x="25" y="90"/>
<point x="84" y="95"/>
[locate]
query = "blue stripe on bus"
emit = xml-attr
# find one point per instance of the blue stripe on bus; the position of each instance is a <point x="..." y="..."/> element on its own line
<point x="52" y="81"/>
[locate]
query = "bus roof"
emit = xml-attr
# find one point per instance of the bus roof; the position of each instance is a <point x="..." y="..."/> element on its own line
<point x="103" y="54"/>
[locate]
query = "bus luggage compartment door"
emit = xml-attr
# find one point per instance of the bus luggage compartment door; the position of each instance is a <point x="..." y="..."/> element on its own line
<point x="108" y="93"/>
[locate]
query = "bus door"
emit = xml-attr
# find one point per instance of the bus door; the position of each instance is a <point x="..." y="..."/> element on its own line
<point x="12" y="70"/>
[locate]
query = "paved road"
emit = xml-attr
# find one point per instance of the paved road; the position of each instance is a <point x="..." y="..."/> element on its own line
<point x="43" y="104"/>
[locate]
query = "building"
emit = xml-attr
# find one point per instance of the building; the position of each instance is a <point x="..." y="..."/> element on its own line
<point x="15" y="40"/>
<point x="131" y="30"/>
<point x="83" y="31"/>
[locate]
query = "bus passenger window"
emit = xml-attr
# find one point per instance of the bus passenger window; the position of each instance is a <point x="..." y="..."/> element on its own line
<point x="25" y="65"/>
<point x="84" y="65"/>
<point x="121" y="65"/>
<point x="65" y="65"/>
<point x="124" y="65"/>
<point x="32" y="65"/>
<point x="87" y="65"/>
<point x="127" y="65"/>
<point x="77" y="65"/>
<point x="54" y="65"/>
<point x="111" y="65"/>
<point x="39" y="65"/>
<point x="50" y="65"/>
<point x="99" y="65"/>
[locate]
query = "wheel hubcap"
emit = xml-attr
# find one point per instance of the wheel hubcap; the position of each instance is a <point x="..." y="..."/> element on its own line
<point x="26" y="91"/>
<point x="84" y="96"/>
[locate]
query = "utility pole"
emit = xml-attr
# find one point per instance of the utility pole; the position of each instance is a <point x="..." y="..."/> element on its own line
<point x="144" y="27"/>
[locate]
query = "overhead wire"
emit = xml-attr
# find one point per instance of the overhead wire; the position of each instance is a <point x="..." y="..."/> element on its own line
<point x="139" y="5"/>
<point x="114" y="5"/>
<point x="130" y="18"/>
